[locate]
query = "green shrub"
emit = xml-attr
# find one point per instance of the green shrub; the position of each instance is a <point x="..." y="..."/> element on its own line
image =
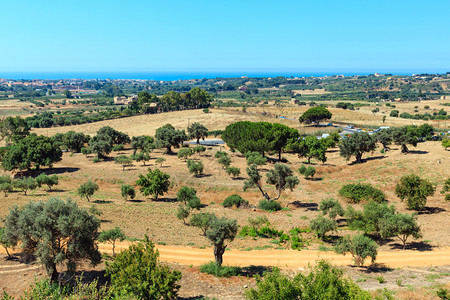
<point x="234" y="200"/>
<point x="225" y="161"/>
<point x="360" y="247"/>
<point x="414" y="190"/>
<point x="233" y="171"/>
<point x="360" y="191"/>
<point x="127" y="191"/>
<point x="137" y="272"/>
<point x="184" y="153"/>
<point x="322" y="226"/>
<point x="310" y="172"/>
<point x="220" y="271"/>
<point x="220" y="154"/>
<point x="323" y="282"/>
<point x="331" y="207"/>
<point x="269" y="205"/>
<point x="194" y="167"/>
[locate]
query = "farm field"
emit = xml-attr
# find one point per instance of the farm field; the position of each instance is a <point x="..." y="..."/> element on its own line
<point x="157" y="218"/>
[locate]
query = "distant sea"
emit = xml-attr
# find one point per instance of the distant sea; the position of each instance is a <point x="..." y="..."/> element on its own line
<point x="166" y="76"/>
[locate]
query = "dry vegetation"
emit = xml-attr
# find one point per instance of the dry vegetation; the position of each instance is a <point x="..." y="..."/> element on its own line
<point x="157" y="218"/>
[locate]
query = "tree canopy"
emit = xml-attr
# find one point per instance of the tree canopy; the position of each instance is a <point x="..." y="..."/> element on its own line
<point x="197" y="131"/>
<point x="154" y="183"/>
<point x="315" y="115"/>
<point x="32" y="151"/>
<point x="167" y="137"/>
<point x="356" y="145"/>
<point x="55" y="231"/>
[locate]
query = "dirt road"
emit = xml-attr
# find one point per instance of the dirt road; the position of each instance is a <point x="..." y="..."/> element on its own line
<point x="292" y="258"/>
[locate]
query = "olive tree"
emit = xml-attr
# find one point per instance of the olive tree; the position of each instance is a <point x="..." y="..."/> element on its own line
<point x="356" y="145"/>
<point x="400" y="226"/>
<point x="154" y="183"/>
<point x="127" y="191"/>
<point x="111" y="236"/>
<point x="55" y="231"/>
<point x="218" y="232"/>
<point x="49" y="181"/>
<point x="414" y="190"/>
<point x="360" y="247"/>
<point x="123" y="160"/>
<point x="87" y="189"/>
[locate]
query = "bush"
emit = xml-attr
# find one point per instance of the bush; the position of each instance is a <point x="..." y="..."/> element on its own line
<point x="225" y="161"/>
<point x="414" y="190"/>
<point x="233" y="171"/>
<point x="360" y="191"/>
<point x="307" y="171"/>
<point x="360" y="246"/>
<point x="184" y="153"/>
<point x="138" y="272"/>
<point x="331" y="207"/>
<point x="220" y="271"/>
<point x="269" y="205"/>
<point x="219" y="154"/>
<point x="234" y="200"/>
<point x="322" y="226"/>
<point x="127" y="191"/>
<point x="323" y="282"/>
<point x="194" y="167"/>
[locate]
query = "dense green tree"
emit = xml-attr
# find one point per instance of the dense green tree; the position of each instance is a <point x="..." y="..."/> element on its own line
<point x="13" y="129"/>
<point x="315" y="115"/>
<point x="154" y="183"/>
<point x="87" y="189"/>
<point x="225" y="161"/>
<point x="4" y="242"/>
<point x="370" y="218"/>
<point x="101" y="145"/>
<point x="127" y="191"/>
<point x="55" y="231"/>
<point x="74" y="141"/>
<point x="111" y="236"/>
<point x="360" y="247"/>
<point x="281" y="137"/>
<point x="425" y="131"/>
<point x="218" y="232"/>
<point x="116" y="136"/>
<point x="187" y="194"/>
<point x="310" y="147"/>
<point x="143" y="143"/>
<point x="356" y="145"/>
<point x="414" y="190"/>
<point x="401" y="226"/>
<point x="406" y="135"/>
<point x="141" y="156"/>
<point x="384" y="137"/>
<point x="32" y="151"/>
<point x="167" y="137"/>
<point x="197" y="131"/>
<point x="233" y="171"/>
<point x="137" y="273"/>
<point x="321" y="226"/>
<point x="445" y="143"/>
<point x="246" y="136"/>
<point x="183" y="213"/>
<point x="6" y="187"/>
<point x="197" y="98"/>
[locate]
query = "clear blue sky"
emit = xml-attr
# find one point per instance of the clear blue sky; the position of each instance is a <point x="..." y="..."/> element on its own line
<point x="246" y="35"/>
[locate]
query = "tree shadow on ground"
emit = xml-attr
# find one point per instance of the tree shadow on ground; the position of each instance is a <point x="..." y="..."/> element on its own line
<point x="431" y="210"/>
<point x="168" y="200"/>
<point x="203" y="175"/>
<point x="314" y="179"/>
<point x="60" y="170"/>
<point x="417" y="246"/>
<point x="418" y="152"/>
<point x="101" y="201"/>
<point x="135" y="200"/>
<point x="376" y="268"/>
<point x="367" y="159"/>
<point x="250" y="271"/>
<point x="55" y="191"/>
<point x="87" y="276"/>
<point x="308" y="206"/>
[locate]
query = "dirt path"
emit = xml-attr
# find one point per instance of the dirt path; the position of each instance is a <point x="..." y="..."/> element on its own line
<point x="292" y="258"/>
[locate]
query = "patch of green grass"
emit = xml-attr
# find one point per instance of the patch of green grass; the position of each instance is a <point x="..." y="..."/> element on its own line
<point x="432" y="277"/>
<point x="361" y="280"/>
<point x="304" y="217"/>
<point x="324" y="248"/>
<point x="289" y="215"/>
<point x="220" y="271"/>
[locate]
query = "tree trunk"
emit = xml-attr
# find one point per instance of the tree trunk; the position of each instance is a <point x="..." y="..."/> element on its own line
<point x="198" y="141"/>
<point x="219" y="250"/>
<point x="404" y="148"/>
<point x="279" y="155"/>
<point x="7" y="252"/>
<point x="53" y="273"/>
<point x="113" y="247"/>
<point x="358" y="158"/>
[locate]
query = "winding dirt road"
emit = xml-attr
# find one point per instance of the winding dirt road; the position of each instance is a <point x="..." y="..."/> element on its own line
<point x="291" y="258"/>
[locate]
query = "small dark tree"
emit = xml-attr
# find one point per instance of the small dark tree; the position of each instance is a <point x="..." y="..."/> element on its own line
<point x="225" y="161"/>
<point x="255" y="158"/>
<point x="49" y="181"/>
<point x="167" y="136"/>
<point x="154" y="183"/>
<point x="414" y="190"/>
<point x="331" y="207"/>
<point x="195" y="167"/>
<point x="202" y="221"/>
<point x="184" y="153"/>
<point x="101" y="145"/>
<point x="189" y="197"/>
<point x="322" y="225"/>
<point x="111" y="236"/>
<point x="233" y="171"/>
<point x="127" y="191"/>
<point x="406" y="135"/>
<point x="183" y="213"/>
<point x="4" y="242"/>
<point x="25" y="184"/>
<point x="87" y="189"/>
<point x="141" y="156"/>
<point x="55" y="231"/>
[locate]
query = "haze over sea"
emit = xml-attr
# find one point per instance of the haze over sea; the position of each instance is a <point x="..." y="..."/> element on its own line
<point x="170" y="76"/>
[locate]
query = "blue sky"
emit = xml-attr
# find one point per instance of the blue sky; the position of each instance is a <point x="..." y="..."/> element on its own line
<point x="246" y="35"/>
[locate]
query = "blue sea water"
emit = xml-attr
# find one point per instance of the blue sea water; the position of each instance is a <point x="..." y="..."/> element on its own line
<point x="166" y="76"/>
